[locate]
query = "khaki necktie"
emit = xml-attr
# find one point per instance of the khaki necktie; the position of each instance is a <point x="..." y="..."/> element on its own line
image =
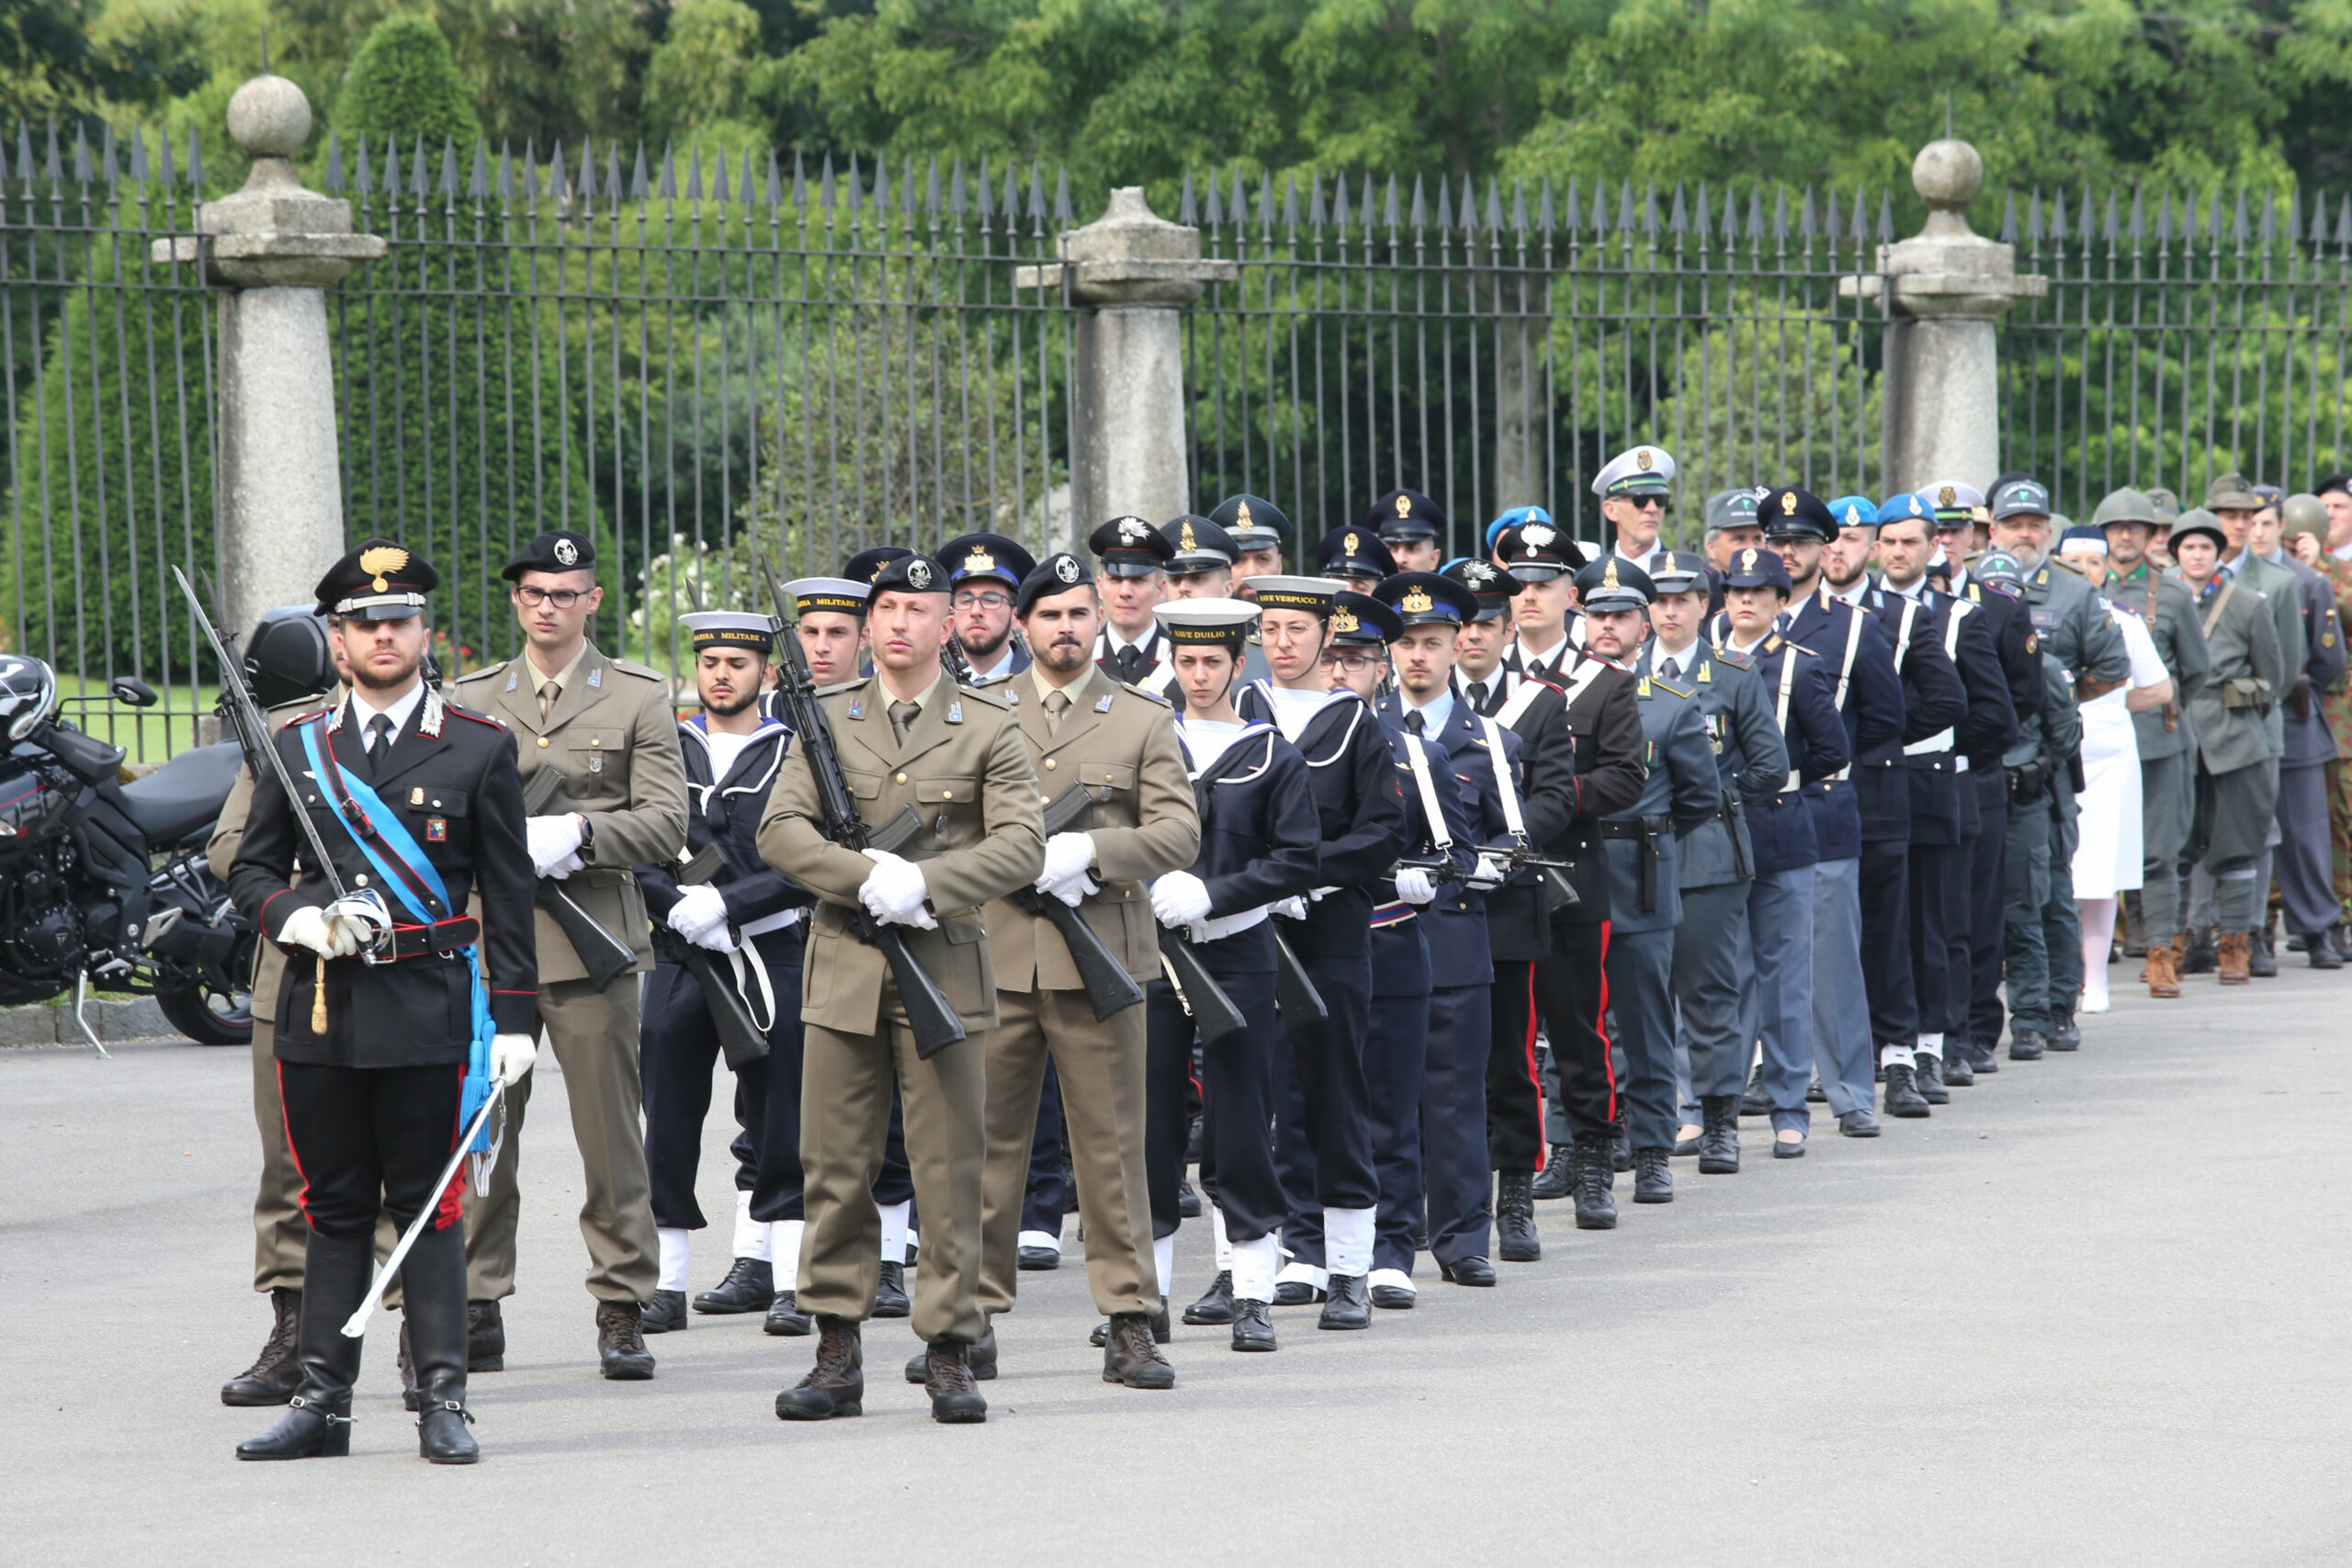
<point x="1055" y="702"/>
<point x="548" y="695"/>
<point x="902" y="716"/>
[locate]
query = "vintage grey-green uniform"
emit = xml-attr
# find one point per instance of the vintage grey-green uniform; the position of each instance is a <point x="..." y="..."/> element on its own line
<point x="2236" y="783"/>
<point x="2166" y="736"/>
<point x="965" y="769"/>
<point x="607" y="726"/>
<point x="1119" y="743"/>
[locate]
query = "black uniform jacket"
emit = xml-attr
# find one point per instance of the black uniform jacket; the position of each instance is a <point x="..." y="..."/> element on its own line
<point x="451" y="777"/>
<point x="1517" y="930"/>
<point x="727" y="812"/>
<point x="1460" y="952"/>
<point x="1354" y="778"/>
<point x="1786" y="829"/>
<point x="1259" y="840"/>
<point x="1604" y="723"/>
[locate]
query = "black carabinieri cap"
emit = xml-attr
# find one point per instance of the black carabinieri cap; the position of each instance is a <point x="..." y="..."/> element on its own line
<point x="1536" y="552"/>
<point x="559" y="550"/>
<point x="1129" y="547"/>
<point x="378" y="582"/>
<point x="1793" y="513"/>
<point x="1406" y="516"/>
<point x="1493" y="588"/>
<point x="1058" y="574"/>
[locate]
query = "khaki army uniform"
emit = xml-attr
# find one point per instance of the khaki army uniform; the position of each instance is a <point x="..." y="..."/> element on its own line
<point x="614" y="734"/>
<point x="966" y="769"/>
<point x="1121" y="744"/>
<point x="2336" y="704"/>
<point x="2237" y="789"/>
<point x="280" y="1233"/>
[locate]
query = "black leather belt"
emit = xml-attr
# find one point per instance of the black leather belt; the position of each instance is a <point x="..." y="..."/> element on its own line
<point x="1644" y="831"/>
<point x="415" y="941"/>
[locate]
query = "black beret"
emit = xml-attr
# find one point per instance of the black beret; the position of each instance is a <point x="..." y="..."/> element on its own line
<point x="1058" y="574"/>
<point x="561" y="550"/>
<point x="910" y="573"/>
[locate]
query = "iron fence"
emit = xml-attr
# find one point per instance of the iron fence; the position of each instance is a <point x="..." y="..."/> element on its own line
<point x="702" y="361"/>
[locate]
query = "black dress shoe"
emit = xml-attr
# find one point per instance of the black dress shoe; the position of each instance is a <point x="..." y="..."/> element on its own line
<point x="2026" y="1044"/>
<point x="1902" y="1098"/>
<point x="784" y="1317"/>
<point x="2323" y="951"/>
<point x="1815" y="1094"/>
<point x="271" y="1379"/>
<point x="1596" y="1208"/>
<point x="441" y="1435"/>
<point x="1859" y="1124"/>
<point x="485" y="1338"/>
<point x="890" y="1293"/>
<point x="312" y="1427"/>
<point x="666" y="1311"/>
<point x="750" y="1286"/>
<point x="1719" y="1144"/>
<point x="1215" y="1305"/>
<point x="1471" y="1270"/>
<point x="1754" y="1101"/>
<point x="1653" y="1178"/>
<point x="836" y="1384"/>
<point x="2063" y="1035"/>
<point x="1928" y="1078"/>
<point x="1620" y="1154"/>
<point x="1296" y="1293"/>
<point x="1958" y="1071"/>
<point x="1035" y="1259"/>
<point x="621" y="1354"/>
<point x="1556" y="1179"/>
<point x="1685" y="1147"/>
<point x="1188" y="1201"/>
<point x="1787" y="1148"/>
<point x="1515" y="1217"/>
<point x="1983" y="1058"/>
<point x="1348" y="1305"/>
<point x="980" y="1357"/>
<point x="1393" y="1298"/>
<point x="1253" y="1329"/>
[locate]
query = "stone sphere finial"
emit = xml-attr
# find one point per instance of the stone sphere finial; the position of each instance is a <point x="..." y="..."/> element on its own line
<point x="1947" y="175"/>
<point x="269" y="117"/>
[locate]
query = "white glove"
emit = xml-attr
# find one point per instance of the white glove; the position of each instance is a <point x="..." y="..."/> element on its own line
<point x="510" y="1056"/>
<point x="555" y="844"/>
<point x="1180" y="898"/>
<point x="361" y="920"/>
<point x="1067" y="857"/>
<point x="309" y="926"/>
<point x="1292" y="909"/>
<point x="894" y="892"/>
<point x="1490" y="871"/>
<point x="1414" y="887"/>
<point x="699" y="909"/>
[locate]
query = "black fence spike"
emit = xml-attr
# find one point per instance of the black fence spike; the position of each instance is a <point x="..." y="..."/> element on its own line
<point x="1389" y="214"/>
<point x="907" y="190"/>
<point x="1010" y="208"/>
<point x="1339" y="215"/>
<point x="1036" y="191"/>
<point x="2319" y="219"/>
<point x="2213" y="221"/>
<point x="334" y="162"/>
<point x="1421" y="209"/>
<point x="721" y="191"/>
<point x="53" y="169"/>
<point x="1318" y="214"/>
<point x="195" y="162"/>
<point x="694" y="173"/>
<point x="1625" y="206"/>
<point x="1063" y="211"/>
<point x="1677" y="217"/>
<point x="2163" y="217"/>
<point x="478" y="182"/>
<point x="2239" y="231"/>
<point x="2113" y="229"/>
<point x="448" y="183"/>
<point x="955" y="193"/>
<point x="558" y="178"/>
<point x="640" y="185"/>
<point x="665" y="183"/>
<point x="138" y="153"/>
<point x="1290" y="202"/>
<point x="1703" y="213"/>
<point x="825" y="184"/>
<point x="2139" y="228"/>
<point x="1494" y="207"/>
<point x="612" y="173"/>
<point x="2269" y="230"/>
<point x="420" y="183"/>
<point x="80" y="154"/>
<point x="1444" y="204"/>
<point x="1885" y="216"/>
<point x="2058" y="216"/>
<point x="162" y="156"/>
<point x="878" y="199"/>
<point x="1807" y="225"/>
<point x="1756" y="212"/>
<point x="800" y="182"/>
<point x="1650" y="209"/>
<point x="1214" y="214"/>
<point x="770" y="189"/>
<point x="107" y="170"/>
<point x="2009" y="219"/>
<point x="1780" y="213"/>
<point x="1859" y="227"/>
<point x="1544" y="215"/>
<point x="930" y="204"/>
<point x="2342" y="224"/>
<point x="1518" y="206"/>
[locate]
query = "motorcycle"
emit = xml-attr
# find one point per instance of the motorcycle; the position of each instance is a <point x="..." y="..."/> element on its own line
<point x="103" y="884"/>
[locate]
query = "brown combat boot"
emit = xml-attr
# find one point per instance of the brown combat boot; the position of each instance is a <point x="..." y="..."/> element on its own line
<point x="1130" y="1356"/>
<point x="2236" y="950"/>
<point x="836" y="1384"/>
<point x="277" y="1372"/>
<point x="2163" y="972"/>
<point x="955" y="1398"/>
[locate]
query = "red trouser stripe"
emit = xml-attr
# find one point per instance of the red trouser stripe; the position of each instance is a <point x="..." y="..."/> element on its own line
<point x="301" y="1199"/>
<point x="1543" y="1149"/>
<point x="451" y="1208"/>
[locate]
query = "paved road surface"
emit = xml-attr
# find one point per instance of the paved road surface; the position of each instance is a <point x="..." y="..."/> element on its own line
<point x="2093" y="1312"/>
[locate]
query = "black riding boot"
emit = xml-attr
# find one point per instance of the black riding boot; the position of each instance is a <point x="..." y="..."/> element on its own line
<point x="317" y="1424"/>
<point x="433" y="1283"/>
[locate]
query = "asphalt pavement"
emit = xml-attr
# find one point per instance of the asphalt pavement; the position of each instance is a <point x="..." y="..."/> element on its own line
<point x="2092" y="1311"/>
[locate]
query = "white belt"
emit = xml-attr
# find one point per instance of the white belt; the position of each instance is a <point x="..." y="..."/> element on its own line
<point x="1229" y="925"/>
<point x="775" y="922"/>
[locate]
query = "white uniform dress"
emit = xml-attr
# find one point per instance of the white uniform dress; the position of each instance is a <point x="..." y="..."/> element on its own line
<point x="2108" y="852"/>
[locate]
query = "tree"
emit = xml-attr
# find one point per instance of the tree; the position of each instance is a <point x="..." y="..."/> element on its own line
<point x="403" y="84"/>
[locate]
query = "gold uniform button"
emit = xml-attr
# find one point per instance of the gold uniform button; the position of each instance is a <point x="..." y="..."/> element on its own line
<point x="946" y="794"/>
<point x="543" y="740"/>
<point x="902" y="779"/>
<point x="1050" y="764"/>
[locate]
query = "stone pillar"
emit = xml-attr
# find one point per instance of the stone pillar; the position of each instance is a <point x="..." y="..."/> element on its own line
<point x="272" y="249"/>
<point x="1520" y="413"/>
<point x="1130" y="274"/>
<point x="1950" y="286"/>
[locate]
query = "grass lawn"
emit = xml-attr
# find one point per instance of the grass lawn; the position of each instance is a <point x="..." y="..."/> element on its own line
<point x="149" y="735"/>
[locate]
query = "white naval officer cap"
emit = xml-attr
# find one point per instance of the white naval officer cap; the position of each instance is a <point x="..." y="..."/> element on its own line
<point x="1638" y="471"/>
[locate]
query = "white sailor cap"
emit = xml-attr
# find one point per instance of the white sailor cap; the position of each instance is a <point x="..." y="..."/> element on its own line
<point x="840" y="595"/>
<point x="1639" y="471"/>
<point x="1206" y="620"/>
<point x="730" y="629"/>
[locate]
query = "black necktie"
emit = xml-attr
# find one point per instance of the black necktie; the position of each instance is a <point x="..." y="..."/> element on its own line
<point x="1478" y="695"/>
<point x="1672" y="669"/>
<point x="1414" y="723"/>
<point x="379" y="739"/>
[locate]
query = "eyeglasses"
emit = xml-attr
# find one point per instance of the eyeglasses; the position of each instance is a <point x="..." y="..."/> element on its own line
<point x="1353" y="663"/>
<point x="989" y="600"/>
<point x="562" y="598"/>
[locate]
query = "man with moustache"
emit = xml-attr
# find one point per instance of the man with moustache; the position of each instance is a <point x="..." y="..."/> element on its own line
<point x="987" y="570"/>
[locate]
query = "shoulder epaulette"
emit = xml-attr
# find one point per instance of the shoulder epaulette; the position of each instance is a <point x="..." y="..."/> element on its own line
<point x="1145" y="693"/>
<point x="1736" y="660"/>
<point x="631" y="667"/>
<point x="849" y="685"/>
<point x="455" y="712"/>
<point x="982" y="694"/>
<point x="486" y="671"/>
<point x="1671" y="690"/>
